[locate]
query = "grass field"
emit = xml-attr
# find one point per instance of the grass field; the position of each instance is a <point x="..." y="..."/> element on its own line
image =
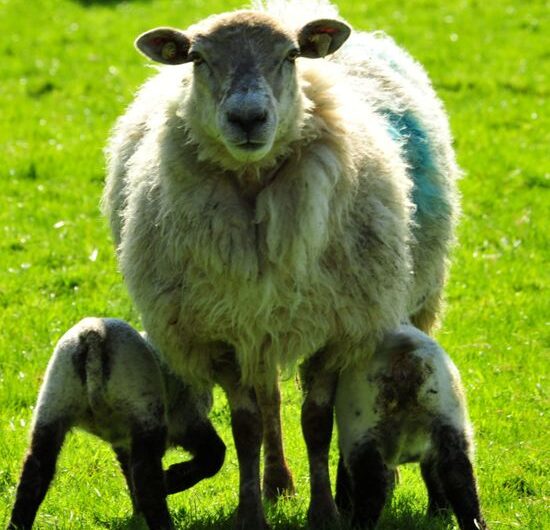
<point x="68" y="68"/>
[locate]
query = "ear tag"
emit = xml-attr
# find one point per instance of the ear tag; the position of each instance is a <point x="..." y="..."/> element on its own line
<point x="321" y="42"/>
<point x="169" y="51"/>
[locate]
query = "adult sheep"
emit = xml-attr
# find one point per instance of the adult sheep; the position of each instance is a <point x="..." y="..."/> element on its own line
<point x="277" y="199"/>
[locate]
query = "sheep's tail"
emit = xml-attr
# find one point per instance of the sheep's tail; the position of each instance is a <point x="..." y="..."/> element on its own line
<point x="93" y="339"/>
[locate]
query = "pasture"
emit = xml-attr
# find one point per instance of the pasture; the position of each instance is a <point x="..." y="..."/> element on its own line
<point x="68" y="69"/>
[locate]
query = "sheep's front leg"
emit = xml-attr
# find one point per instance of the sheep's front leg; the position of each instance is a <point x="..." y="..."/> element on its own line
<point x="147" y="477"/>
<point x="319" y="387"/>
<point x="37" y="474"/>
<point x="277" y="476"/>
<point x="246" y="424"/>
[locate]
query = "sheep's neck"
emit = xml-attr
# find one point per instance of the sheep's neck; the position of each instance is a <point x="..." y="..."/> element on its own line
<point x="252" y="181"/>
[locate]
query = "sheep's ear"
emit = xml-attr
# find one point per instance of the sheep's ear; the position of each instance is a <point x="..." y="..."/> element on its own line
<point x="164" y="45"/>
<point x="322" y="37"/>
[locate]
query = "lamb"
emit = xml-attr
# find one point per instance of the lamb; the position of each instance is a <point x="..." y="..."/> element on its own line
<point x="407" y="406"/>
<point x="106" y="379"/>
<point x="282" y="193"/>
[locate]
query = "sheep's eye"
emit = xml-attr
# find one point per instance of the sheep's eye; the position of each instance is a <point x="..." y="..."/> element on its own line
<point x="196" y="58"/>
<point x="293" y="55"/>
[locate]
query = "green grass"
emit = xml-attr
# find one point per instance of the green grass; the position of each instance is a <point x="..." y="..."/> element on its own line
<point x="68" y="69"/>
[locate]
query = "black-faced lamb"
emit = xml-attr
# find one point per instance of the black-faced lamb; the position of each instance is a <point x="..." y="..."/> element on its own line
<point x="105" y="378"/>
<point x="285" y="193"/>
<point x="407" y="406"/>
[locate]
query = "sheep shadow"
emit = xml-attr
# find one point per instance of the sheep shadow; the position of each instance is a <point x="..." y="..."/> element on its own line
<point x="90" y="3"/>
<point x="408" y="518"/>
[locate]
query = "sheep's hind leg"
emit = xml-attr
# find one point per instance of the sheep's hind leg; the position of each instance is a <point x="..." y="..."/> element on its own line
<point x="456" y="475"/>
<point x="208" y="451"/>
<point x="319" y="387"/>
<point x="37" y="474"/>
<point x="147" y="477"/>
<point x="277" y="476"/>
<point x="246" y="424"/>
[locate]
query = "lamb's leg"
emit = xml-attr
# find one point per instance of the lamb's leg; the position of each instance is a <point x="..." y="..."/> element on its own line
<point x="208" y="451"/>
<point x="344" y="489"/>
<point x="246" y="424"/>
<point x="147" y="476"/>
<point x="319" y="386"/>
<point x="371" y="481"/>
<point x="437" y="502"/>
<point x="456" y="475"/>
<point x="123" y="457"/>
<point x="277" y="476"/>
<point x="38" y="472"/>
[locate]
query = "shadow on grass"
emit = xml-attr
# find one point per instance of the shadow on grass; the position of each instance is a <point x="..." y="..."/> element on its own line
<point x="221" y="520"/>
<point x="417" y="522"/>
<point x="90" y="3"/>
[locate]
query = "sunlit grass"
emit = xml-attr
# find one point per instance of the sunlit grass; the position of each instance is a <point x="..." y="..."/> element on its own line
<point x="68" y="69"/>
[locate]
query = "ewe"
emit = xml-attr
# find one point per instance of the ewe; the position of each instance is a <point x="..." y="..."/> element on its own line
<point x="277" y="198"/>
<point x="407" y="406"/>
<point x="105" y="378"/>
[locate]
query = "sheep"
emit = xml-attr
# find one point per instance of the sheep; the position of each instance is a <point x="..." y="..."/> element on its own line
<point x="407" y="406"/>
<point x="281" y="193"/>
<point x="106" y="379"/>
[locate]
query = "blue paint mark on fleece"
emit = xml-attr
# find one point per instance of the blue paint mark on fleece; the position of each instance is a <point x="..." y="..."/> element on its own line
<point x="426" y="195"/>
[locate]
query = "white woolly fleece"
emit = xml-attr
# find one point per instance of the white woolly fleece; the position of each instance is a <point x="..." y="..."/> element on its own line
<point x="328" y="254"/>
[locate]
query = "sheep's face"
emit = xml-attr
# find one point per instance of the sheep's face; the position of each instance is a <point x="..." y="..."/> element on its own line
<point x="245" y="90"/>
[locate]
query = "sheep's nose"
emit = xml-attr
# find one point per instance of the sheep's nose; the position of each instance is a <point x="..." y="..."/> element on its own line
<point x="247" y="121"/>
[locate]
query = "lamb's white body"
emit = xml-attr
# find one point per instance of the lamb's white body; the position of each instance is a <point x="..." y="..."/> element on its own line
<point x="334" y="236"/>
<point x="409" y="384"/>
<point x="119" y="385"/>
<point x="106" y="378"/>
<point x="407" y="406"/>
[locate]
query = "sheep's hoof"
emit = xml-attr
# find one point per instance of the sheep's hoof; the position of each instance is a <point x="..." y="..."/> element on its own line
<point x="251" y="521"/>
<point x="278" y="482"/>
<point x="323" y="516"/>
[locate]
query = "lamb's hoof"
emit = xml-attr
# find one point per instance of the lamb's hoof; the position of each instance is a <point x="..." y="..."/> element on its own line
<point x="278" y="482"/>
<point x="323" y="517"/>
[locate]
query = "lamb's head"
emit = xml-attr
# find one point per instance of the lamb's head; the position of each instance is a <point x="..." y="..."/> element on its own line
<point x="245" y="95"/>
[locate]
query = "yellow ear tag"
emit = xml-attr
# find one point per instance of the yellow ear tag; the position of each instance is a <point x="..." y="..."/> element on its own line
<point x="169" y="51"/>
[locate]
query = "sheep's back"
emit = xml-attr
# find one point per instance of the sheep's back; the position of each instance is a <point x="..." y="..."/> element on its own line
<point x="399" y="90"/>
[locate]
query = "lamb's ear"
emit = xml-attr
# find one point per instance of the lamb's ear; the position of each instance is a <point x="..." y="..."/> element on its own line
<point x="164" y="45"/>
<point x="322" y="37"/>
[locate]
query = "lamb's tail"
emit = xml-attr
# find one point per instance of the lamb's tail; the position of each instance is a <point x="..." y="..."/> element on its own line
<point x="93" y="339"/>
